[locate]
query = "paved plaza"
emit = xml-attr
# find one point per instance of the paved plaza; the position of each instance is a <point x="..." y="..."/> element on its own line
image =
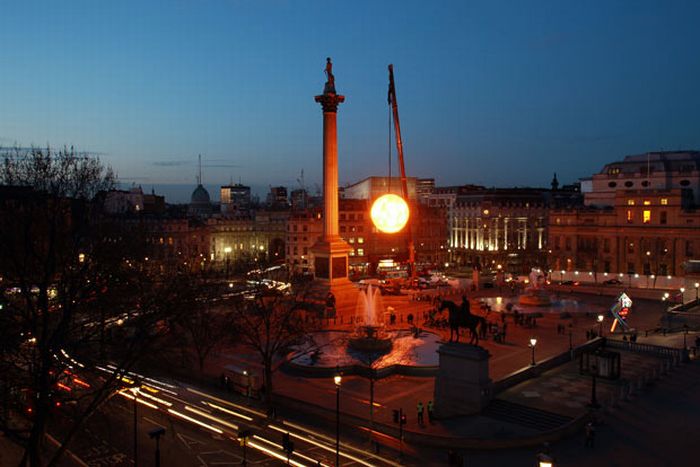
<point x="555" y="397"/>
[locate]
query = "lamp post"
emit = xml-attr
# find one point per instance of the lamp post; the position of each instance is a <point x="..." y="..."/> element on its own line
<point x="533" y="343"/>
<point x="697" y="285"/>
<point x="600" y="325"/>
<point x="594" y="399"/>
<point x="571" y="341"/>
<point x="682" y="295"/>
<point x="337" y="380"/>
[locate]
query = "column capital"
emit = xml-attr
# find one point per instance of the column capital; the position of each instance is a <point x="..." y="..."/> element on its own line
<point x="330" y="101"/>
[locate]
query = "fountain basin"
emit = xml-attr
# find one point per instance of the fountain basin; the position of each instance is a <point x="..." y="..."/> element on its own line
<point x="535" y="298"/>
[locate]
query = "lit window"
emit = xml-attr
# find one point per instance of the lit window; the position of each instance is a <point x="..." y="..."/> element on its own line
<point x="360" y="240"/>
<point x="630" y="202"/>
<point x="647" y="202"/>
<point x="351" y="253"/>
<point x="629" y="215"/>
<point x="360" y="252"/>
<point x="351" y="240"/>
<point x="664" y="201"/>
<point x="646" y="216"/>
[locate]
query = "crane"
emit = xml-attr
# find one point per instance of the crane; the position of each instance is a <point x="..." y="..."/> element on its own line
<point x="404" y="182"/>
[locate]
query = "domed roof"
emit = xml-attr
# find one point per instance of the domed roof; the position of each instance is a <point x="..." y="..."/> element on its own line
<point x="200" y="195"/>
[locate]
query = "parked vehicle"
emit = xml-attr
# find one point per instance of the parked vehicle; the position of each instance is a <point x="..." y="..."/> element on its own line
<point x="612" y="282"/>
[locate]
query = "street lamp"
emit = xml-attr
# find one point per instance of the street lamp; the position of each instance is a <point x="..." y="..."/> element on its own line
<point x="337" y="380"/>
<point x="533" y="343"/>
<point x="594" y="399"/>
<point x="697" y="284"/>
<point x="600" y="325"/>
<point x="682" y="295"/>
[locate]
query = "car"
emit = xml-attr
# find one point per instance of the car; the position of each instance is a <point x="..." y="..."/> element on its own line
<point x="570" y="283"/>
<point x="612" y="282"/>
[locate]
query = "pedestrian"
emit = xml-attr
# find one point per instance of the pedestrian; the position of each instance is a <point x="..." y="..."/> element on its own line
<point x="590" y="435"/>
<point x="430" y="411"/>
<point x="419" y="408"/>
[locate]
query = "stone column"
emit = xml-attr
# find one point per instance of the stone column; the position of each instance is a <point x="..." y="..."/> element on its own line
<point x="329" y="102"/>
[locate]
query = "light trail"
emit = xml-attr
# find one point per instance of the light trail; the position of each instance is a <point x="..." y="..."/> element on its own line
<point x="280" y="447"/>
<point x="230" y="412"/>
<point x="240" y="407"/>
<point x="195" y="421"/>
<point x="332" y="441"/>
<point x="274" y="454"/>
<point x="140" y="401"/>
<point x="211" y="417"/>
<point x="321" y="445"/>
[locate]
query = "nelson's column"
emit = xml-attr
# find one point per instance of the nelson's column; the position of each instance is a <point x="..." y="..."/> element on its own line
<point x="331" y="251"/>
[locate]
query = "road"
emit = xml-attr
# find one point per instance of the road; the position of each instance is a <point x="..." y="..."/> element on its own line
<point x="201" y="429"/>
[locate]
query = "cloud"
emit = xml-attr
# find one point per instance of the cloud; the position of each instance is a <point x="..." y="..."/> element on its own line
<point x="171" y="163"/>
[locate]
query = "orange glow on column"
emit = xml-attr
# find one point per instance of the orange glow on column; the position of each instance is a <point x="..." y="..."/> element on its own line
<point x="389" y="213"/>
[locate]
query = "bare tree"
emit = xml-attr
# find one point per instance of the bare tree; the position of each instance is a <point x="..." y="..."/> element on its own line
<point x="67" y="282"/>
<point x="272" y="324"/>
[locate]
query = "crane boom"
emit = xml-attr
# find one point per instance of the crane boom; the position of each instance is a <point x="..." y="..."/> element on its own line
<point x="402" y="167"/>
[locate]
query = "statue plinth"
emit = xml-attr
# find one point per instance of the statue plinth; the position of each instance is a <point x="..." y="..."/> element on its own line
<point x="463" y="386"/>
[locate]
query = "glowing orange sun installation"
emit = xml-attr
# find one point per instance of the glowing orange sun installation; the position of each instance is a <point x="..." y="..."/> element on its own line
<point x="389" y="213"/>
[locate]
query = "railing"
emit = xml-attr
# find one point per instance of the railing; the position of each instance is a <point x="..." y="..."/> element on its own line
<point x="677" y="355"/>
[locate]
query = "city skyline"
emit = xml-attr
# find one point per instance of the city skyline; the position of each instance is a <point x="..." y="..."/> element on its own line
<point x="493" y="94"/>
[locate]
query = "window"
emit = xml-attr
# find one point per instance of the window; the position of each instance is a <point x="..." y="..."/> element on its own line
<point x="305" y="228"/>
<point x="556" y="243"/>
<point x="664" y="201"/>
<point x="685" y="182"/>
<point x="352" y="252"/>
<point x="630" y="268"/>
<point x="606" y="266"/>
<point x="360" y="240"/>
<point x="360" y="252"/>
<point x="630" y="216"/>
<point x="613" y="171"/>
<point x="568" y="243"/>
<point x="630" y="248"/>
<point x="629" y="184"/>
<point x="351" y="240"/>
<point x="646" y="216"/>
<point x="295" y="228"/>
<point x="630" y="202"/>
<point x="647" y="202"/>
<point x="662" y="217"/>
<point x="306" y="250"/>
<point x="645" y="183"/>
<point x="342" y="217"/>
<point x="612" y="184"/>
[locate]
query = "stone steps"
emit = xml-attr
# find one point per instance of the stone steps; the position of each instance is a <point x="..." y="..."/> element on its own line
<point x="522" y="415"/>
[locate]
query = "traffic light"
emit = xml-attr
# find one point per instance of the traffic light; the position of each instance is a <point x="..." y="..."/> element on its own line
<point x="396" y="416"/>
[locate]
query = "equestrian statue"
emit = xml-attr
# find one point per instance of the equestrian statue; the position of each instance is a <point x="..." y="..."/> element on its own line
<point x="461" y="317"/>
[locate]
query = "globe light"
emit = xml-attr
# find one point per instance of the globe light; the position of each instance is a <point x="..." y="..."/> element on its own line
<point x="389" y="213"/>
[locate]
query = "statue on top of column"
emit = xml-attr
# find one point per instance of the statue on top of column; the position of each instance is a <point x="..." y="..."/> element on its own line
<point x="330" y="83"/>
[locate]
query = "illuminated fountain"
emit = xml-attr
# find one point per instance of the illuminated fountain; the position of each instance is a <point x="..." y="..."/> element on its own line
<point x="369" y="317"/>
<point x="535" y="295"/>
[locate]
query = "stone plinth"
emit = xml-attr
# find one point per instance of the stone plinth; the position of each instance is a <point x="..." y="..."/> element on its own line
<point x="463" y="386"/>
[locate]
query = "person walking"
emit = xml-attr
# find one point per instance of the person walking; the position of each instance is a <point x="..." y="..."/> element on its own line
<point x="419" y="408"/>
<point x="590" y="435"/>
<point x="430" y="411"/>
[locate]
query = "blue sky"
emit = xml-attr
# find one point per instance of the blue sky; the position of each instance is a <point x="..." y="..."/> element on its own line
<point x="494" y="92"/>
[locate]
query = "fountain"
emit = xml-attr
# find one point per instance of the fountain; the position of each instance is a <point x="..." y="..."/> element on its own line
<point x="369" y="334"/>
<point x="535" y="295"/>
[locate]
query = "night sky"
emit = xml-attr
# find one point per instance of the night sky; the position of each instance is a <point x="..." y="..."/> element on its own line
<point x="496" y="93"/>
